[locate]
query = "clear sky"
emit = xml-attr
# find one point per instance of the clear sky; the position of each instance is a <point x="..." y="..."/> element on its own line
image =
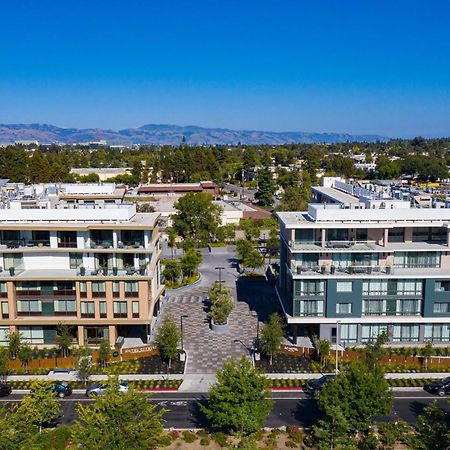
<point x="359" y="66"/>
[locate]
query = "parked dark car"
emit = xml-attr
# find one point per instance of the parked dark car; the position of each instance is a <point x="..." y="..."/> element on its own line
<point x="313" y="387"/>
<point x="439" y="387"/>
<point x="62" y="389"/>
<point x="5" y="389"/>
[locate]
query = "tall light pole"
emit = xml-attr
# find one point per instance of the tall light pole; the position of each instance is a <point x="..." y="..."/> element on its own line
<point x="181" y="330"/>
<point x="338" y="323"/>
<point x="220" y="276"/>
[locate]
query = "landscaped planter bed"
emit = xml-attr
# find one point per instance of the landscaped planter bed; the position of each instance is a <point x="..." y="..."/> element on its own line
<point x="284" y="363"/>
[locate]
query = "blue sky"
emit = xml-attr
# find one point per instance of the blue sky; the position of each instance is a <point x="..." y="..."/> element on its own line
<point x="357" y="66"/>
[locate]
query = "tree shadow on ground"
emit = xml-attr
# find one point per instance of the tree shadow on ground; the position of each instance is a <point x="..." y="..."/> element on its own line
<point x="199" y="419"/>
<point x="307" y="412"/>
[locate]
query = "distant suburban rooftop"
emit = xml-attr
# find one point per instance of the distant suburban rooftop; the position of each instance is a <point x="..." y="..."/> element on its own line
<point x="177" y="187"/>
<point x="88" y="170"/>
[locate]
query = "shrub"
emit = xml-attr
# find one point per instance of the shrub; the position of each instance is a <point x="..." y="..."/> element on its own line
<point x="165" y="440"/>
<point x="220" y="438"/>
<point x="205" y="441"/>
<point x="189" y="436"/>
<point x="392" y="432"/>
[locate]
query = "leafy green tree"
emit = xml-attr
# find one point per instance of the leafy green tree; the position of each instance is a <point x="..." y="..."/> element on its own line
<point x="39" y="167"/>
<point x="63" y="339"/>
<point x="172" y="270"/>
<point x="25" y="355"/>
<point x="85" y="368"/>
<point x="172" y="235"/>
<point x="243" y="246"/>
<point x="266" y="188"/>
<point x="168" y="337"/>
<point x="190" y="261"/>
<point x="118" y="421"/>
<point x="249" y="160"/>
<point x="323" y="348"/>
<point x="222" y="305"/>
<point x="426" y="352"/>
<point x="4" y="359"/>
<point x="251" y="228"/>
<point x="361" y="393"/>
<point x="252" y="260"/>
<point x="14" y="343"/>
<point x="238" y="403"/>
<point x="40" y="406"/>
<point x="432" y="429"/>
<point x="375" y="351"/>
<point x="197" y="217"/>
<point x="104" y="352"/>
<point x="272" y="336"/>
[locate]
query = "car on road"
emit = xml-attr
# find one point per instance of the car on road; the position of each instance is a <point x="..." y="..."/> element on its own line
<point x="313" y="387"/>
<point x="5" y="389"/>
<point x="439" y="387"/>
<point x="100" y="389"/>
<point x="62" y="389"/>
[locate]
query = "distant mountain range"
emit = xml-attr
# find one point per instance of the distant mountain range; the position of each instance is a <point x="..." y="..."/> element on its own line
<point x="171" y="135"/>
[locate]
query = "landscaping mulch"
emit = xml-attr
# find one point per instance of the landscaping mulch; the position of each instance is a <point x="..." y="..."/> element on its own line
<point x="284" y="363"/>
<point x="155" y="364"/>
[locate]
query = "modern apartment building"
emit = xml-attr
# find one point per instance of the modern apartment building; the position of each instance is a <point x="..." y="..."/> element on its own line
<point x="94" y="267"/>
<point x="359" y="262"/>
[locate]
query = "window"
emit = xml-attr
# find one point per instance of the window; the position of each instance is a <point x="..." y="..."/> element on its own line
<point x="348" y="333"/>
<point x="32" y="334"/>
<point x="94" y="335"/>
<point x="98" y="289"/>
<point x="409" y="287"/>
<point x="417" y="259"/>
<point x="343" y="308"/>
<point x="67" y="239"/>
<point x="374" y="307"/>
<point x="131" y="289"/>
<point x="309" y="287"/>
<point x="307" y="260"/>
<point x="133" y="238"/>
<point x="304" y="235"/>
<point x="68" y="307"/>
<point x="429" y="234"/>
<point x="135" y="309"/>
<point x="102" y="306"/>
<point x="408" y="307"/>
<point x="362" y="234"/>
<point x="437" y="332"/>
<point x="3" y="290"/>
<point x="120" y="309"/>
<point x="442" y="286"/>
<point x="344" y="286"/>
<point x="5" y="310"/>
<point x="4" y="332"/>
<point x="116" y="289"/>
<point x="396" y="235"/>
<point x="441" y="308"/>
<point x="83" y="289"/>
<point x="369" y="332"/>
<point x="87" y="309"/>
<point x="375" y="287"/>
<point x="29" y="307"/>
<point x="103" y="261"/>
<point x="405" y="333"/>
<point x="308" y="308"/>
<point x="76" y="260"/>
<point x="337" y="234"/>
<point x="355" y="259"/>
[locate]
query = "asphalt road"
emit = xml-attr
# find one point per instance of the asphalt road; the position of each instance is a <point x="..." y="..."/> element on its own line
<point x="290" y="408"/>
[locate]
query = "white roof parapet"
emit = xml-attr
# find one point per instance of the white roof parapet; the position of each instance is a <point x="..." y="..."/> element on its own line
<point x="80" y="213"/>
<point x="333" y="213"/>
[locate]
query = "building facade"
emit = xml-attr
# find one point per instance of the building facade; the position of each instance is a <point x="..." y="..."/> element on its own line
<point x="92" y="267"/>
<point x="362" y="264"/>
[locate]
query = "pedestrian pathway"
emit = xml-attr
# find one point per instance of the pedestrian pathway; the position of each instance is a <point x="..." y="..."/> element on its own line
<point x="206" y="349"/>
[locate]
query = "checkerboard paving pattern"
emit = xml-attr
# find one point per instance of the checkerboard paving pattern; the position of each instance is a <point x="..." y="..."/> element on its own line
<point x="206" y="349"/>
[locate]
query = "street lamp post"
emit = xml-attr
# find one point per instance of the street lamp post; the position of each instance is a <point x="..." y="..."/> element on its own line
<point x="220" y="276"/>
<point x="338" y="323"/>
<point x="184" y="316"/>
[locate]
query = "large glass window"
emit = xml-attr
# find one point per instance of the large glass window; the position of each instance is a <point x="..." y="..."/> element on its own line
<point x="409" y="287"/>
<point x="429" y="234"/>
<point x="4" y="333"/>
<point x="87" y="309"/>
<point x="408" y="307"/>
<point x="120" y="309"/>
<point x="98" y="289"/>
<point x="31" y="307"/>
<point x="417" y="259"/>
<point x="442" y="286"/>
<point x="441" y="308"/>
<point x="304" y="235"/>
<point x="135" y="309"/>
<point x="405" y="333"/>
<point x="32" y="334"/>
<point x="437" y="332"/>
<point x="102" y="306"/>
<point x="133" y="238"/>
<point x="65" y="306"/>
<point x="131" y="288"/>
<point x="375" y="287"/>
<point x="344" y="286"/>
<point x="370" y="332"/>
<point x="355" y="259"/>
<point x="307" y="260"/>
<point x="374" y="307"/>
<point x="83" y="288"/>
<point x="101" y="238"/>
<point x="348" y="333"/>
<point x="3" y="289"/>
<point x="337" y="234"/>
<point x="94" y="335"/>
<point x="309" y="308"/>
<point x="396" y="235"/>
<point x="343" y="308"/>
<point x="67" y="239"/>
<point x="309" y="287"/>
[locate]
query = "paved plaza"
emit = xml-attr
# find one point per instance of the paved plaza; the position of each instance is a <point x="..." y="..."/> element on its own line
<point x="206" y="349"/>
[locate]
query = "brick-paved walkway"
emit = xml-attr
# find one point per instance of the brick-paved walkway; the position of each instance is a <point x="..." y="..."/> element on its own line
<point x="208" y="350"/>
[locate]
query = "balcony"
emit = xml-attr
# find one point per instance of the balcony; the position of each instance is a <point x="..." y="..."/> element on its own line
<point x="101" y="244"/>
<point x="299" y="269"/>
<point x="24" y="243"/>
<point x="308" y="246"/>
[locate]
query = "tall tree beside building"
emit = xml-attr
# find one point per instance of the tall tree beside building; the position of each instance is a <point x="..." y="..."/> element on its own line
<point x="197" y="217"/>
<point x="266" y="188"/>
